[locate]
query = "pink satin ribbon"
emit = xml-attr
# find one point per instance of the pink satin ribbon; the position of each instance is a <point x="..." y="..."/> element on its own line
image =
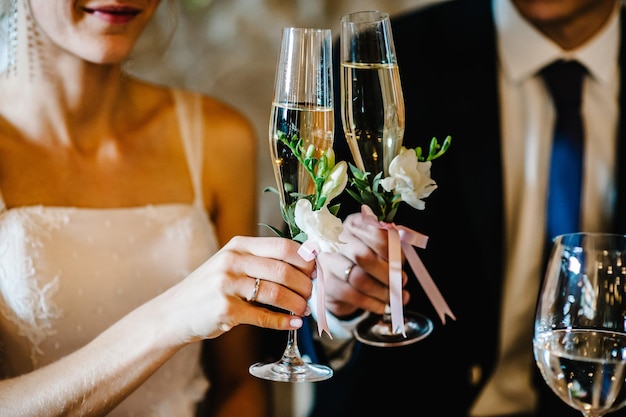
<point x="402" y="239"/>
<point x="308" y="251"/>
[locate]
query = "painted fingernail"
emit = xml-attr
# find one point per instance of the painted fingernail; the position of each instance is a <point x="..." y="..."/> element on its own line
<point x="296" y="322"/>
<point x="307" y="312"/>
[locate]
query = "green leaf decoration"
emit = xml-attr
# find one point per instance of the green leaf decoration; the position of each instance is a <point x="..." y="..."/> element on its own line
<point x="318" y="169"/>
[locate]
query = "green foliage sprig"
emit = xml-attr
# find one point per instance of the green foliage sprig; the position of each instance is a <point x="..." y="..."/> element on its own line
<point x="326" y="176"/>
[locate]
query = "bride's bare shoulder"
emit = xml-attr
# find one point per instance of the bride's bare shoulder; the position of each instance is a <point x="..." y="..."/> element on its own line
<point x="223" y="123"/>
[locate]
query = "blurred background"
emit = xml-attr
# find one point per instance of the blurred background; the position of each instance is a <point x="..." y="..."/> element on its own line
<point x="229" y="49"/>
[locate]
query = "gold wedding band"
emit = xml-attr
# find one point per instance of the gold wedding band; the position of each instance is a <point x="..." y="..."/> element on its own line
<point x="347" y="272"/>
<point x="255" y="291"/>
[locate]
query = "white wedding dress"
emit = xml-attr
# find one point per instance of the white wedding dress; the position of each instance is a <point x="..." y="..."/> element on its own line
<point x="68" y="273"/>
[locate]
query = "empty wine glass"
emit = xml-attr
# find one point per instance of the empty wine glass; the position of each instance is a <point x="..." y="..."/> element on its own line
<point x="302" y="108"/>
<point x="372" y="111"/>
<point x="580" y="335"/>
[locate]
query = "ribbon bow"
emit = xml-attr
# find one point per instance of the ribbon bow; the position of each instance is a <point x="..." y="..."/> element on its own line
<point x="308" y="251"/>
<point x="402" y="239"/>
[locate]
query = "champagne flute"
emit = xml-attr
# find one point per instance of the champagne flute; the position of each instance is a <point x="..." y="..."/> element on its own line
<point x="372" y="111"/>
<point x="580" y="335"/>
<point x="302" y="107"/>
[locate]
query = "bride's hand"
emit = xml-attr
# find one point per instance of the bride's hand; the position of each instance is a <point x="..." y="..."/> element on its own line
<point x="223" y="292"/>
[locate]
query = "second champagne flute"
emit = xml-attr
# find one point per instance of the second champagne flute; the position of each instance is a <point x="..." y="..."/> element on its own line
<point x="302" y="108"/>
<point x="372" y="111"/>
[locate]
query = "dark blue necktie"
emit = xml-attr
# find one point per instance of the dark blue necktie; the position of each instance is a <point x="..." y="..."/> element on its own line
<point x="564" y="80"/>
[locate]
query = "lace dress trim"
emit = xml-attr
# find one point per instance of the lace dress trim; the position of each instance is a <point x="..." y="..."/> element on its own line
<point x="30" y="305"/>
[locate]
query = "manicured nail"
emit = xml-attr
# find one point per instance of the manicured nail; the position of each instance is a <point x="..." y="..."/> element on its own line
<point x="307" y="312"/>
<point x="296" y="322"/>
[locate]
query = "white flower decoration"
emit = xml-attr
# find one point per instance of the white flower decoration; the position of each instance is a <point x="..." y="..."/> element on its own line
<point x="320" y="225"/>
<point x="336" y="181"/>
<point x="409" y="178"/>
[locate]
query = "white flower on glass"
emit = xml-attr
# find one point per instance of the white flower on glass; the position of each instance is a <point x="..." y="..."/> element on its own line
<point x="320" y="225"/>
<point x="410" y="178"/>
<point x="335" y="182"/>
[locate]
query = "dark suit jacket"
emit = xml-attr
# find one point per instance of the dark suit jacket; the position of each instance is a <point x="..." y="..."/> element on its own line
<point x="448" y="67"/>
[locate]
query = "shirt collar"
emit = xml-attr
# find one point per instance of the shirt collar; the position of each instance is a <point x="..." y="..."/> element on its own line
<point x="523" y="50"/>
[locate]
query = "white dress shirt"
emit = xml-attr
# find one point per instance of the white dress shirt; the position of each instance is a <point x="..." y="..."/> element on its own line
<point x="527" y="123"/>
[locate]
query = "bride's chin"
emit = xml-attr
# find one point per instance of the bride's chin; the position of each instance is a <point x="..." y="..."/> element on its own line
<point x="112" y="54"/>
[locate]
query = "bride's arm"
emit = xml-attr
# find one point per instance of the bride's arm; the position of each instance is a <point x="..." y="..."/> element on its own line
<point x="93" y="380"/>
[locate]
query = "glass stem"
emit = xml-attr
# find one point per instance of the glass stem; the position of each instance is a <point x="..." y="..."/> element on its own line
<point x="387" y="315"/>
<point x="291" y="355"/>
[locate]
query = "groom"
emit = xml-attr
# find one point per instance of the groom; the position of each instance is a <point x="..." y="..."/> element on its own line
<point x="470" y="69"/>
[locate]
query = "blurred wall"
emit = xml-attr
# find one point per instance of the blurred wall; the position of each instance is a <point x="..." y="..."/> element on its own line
<point x="229" y="49"/>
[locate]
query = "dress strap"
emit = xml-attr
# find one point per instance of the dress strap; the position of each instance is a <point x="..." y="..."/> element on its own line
<point x="189" y="111"/>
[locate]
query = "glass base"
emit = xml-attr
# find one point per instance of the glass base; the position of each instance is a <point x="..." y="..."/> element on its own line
<point x="375" y="331"/>
<point x="282" y="371"/>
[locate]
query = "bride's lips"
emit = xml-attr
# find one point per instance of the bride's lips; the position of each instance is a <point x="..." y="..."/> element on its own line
<point x="114" y="14"/>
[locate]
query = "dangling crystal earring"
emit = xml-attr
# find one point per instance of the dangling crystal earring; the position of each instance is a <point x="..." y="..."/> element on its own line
<point x="12" y="41"/>
<point x="35" y="56"/>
